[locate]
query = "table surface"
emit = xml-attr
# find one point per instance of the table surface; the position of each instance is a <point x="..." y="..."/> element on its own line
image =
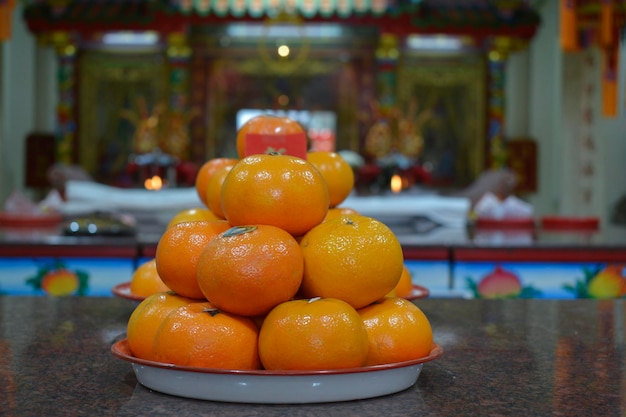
<point x="504" y="357"/>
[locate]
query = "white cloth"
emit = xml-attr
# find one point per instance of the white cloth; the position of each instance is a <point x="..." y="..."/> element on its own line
<point x="85" y="196"/>
<point x="490" y="206"/>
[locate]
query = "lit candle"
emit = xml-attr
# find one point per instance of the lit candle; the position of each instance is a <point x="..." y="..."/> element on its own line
<point x="396" y="183"/>
<point x="155" y="183"/>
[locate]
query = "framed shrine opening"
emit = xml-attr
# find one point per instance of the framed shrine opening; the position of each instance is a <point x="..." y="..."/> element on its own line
<point x="320" y="84"/>
<point x="445" y="99"/>
<point x="122" y="102"/>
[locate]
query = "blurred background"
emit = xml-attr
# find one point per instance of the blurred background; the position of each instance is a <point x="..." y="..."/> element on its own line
<point x="116" y="91"/>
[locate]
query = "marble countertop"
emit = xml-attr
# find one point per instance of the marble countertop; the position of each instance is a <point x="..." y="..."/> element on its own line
<point x="509" y="357"/>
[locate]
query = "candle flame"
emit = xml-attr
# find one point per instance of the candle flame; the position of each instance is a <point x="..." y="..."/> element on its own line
<point x="155" y="183"/>
<point x="396" y="183"/>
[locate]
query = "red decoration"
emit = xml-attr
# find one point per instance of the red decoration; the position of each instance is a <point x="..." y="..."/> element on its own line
<point x="568" y="25"/>
<point x="289" y="144"/>
<point x="6" y="13"/>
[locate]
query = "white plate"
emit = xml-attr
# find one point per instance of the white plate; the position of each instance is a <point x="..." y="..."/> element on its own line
<point x="275" y="387"/>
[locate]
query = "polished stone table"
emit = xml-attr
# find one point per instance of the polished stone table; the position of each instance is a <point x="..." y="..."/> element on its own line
<point x="501" y="358"/>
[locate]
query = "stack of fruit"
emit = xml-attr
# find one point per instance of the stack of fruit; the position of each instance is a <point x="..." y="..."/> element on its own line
<point x="275" y="276"/>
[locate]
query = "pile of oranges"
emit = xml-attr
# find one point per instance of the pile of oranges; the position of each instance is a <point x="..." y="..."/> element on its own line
<point x="272" y="275"/>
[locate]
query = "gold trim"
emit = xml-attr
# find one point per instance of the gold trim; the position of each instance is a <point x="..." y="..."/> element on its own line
<point x="503" y="46"/>
<point x="177" y="46"/>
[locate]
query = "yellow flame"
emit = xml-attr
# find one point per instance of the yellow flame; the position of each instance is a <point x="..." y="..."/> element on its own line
<point x="154" y="183"/>
<point x="396" y="183"/>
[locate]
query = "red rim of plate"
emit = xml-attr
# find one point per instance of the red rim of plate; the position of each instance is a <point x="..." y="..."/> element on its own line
<point x="418" y="292"/>
<point x="21" y="220"/>
<point x="123" y="291"/>
<point x="121" y="350"/>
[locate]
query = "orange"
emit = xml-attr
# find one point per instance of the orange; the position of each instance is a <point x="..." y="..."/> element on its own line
<point x="146" y="280"/>
<point x="205" y="173"/>
<point x="355" y="258"/>
<point x="278" y="190"/>
<point x="404" y="287"/>
<point x="266" y="124"/>
<point x="193" y="215"/>
<point x="337" y="173"/>
<point x="214" y="191"/>
<point x="178" y="251"/>
<point x="249" y="270"/>
<point x="146" y="319"/>
<point x="335" y="212"/>
<point x="314" y="334"/>
<point x="200" y="335"/>
<point x="397" y="330"/>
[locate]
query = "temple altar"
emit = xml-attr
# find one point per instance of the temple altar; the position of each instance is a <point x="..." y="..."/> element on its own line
<point x="424" y="79"/>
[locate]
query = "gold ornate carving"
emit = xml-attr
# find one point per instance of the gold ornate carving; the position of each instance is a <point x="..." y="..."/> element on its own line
<point x="388" y="47"/>
<point x="503" y="46"/>
<point x="313" y="67"/>
<point x="284" y="65"/>
<point x="177" y="46"/>
<point x="61" y="41"/>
